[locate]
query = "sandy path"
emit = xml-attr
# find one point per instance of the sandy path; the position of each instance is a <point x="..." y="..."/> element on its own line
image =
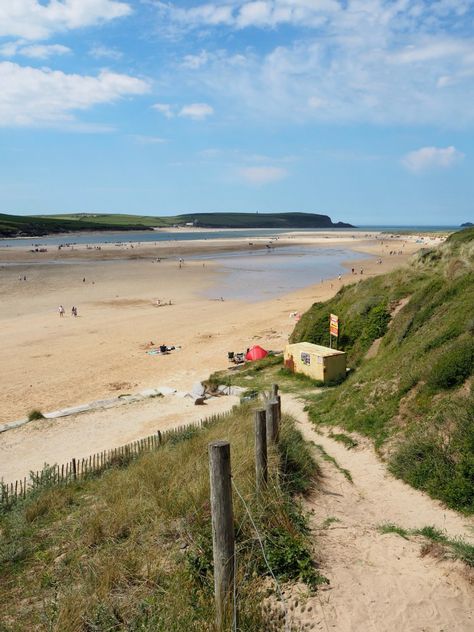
<point x="379" y="583"/>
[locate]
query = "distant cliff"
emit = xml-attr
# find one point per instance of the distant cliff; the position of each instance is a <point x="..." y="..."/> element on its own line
<point x="260" y="220"/>
<point x="37" y="225"/>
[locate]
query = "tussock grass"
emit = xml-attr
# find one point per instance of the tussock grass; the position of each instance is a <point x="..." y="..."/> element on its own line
<point x="35" y="414"/>
<point x="132" y="549"/>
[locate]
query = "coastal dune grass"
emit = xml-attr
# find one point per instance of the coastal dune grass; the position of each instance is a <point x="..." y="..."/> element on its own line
<point x="414" y="398"/>
<point x="131" y="549"/>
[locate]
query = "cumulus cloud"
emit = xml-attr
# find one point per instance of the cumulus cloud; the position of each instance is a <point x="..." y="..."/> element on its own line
<point x="33" y="51"/>
<point x="427" y="158"/>
<point x="37" y="97"/>
<point x="262" y="174"/>
<point x="35" y="19"/>
<point x="196" y="111"/>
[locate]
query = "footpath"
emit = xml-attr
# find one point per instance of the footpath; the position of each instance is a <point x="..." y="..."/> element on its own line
<point x="379" y="582"/>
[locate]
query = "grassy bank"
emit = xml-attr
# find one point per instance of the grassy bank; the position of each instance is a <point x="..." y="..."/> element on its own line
<point x="132" y="549"/>
<point x="414" y="398"/>
<point x="18" y="225"/>
<point x="34" y="226"/>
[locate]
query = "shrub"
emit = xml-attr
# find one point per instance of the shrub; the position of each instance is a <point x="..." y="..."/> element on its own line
<point x="35" y="414"/>
<point x="454" y="366"/>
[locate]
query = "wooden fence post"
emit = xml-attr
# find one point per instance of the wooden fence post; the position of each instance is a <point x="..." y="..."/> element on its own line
<point x="272" y="422"/>
<point x="274" y="391"/>
<point x="222" y="529"/>
<point x="74" y="469"/>
<point x="261" y="460"/>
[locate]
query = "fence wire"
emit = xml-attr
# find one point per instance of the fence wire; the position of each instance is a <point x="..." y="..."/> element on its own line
<point x="267" y="563"/>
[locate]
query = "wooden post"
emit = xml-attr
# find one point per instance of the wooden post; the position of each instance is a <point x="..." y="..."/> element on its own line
<point x="278" y="399"/>
<point x="222" y="529"/>
<point x="74" y="469"/>
<point x="272" y="422"/>
<point x="274" y="392"/>
<point x="261" y="462"/>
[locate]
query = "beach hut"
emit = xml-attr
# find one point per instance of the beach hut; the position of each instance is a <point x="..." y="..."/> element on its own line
<point x="255" y="353"/>
<point x="315" y="361"/>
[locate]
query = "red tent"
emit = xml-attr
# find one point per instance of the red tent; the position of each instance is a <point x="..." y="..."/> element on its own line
<point x="255" y="353"/>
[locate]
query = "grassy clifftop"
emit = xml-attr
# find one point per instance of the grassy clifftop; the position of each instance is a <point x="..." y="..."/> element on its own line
<point x="414" y="398"/>
<point x="25" y="226"/>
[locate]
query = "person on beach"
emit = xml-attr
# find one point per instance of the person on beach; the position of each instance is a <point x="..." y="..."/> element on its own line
<point x="61" y="311"/>
<point x="74" y="311"/>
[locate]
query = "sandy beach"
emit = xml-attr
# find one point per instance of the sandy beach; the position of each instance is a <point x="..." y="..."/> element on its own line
<point x="123" y="297"/>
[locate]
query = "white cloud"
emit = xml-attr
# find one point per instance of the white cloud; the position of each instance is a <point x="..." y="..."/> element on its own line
<point x="427" y="158"/>
<point x="34" y="51"/>
<point x="196" y="111"/>
<point x="164" y="108"/>
<point x="104" y="52"/>
<point x="255" y="13"/>
<point x="37" y="97"/>
<point x="35" y="19"/>
<point x="262" y="175"/>
<point x="376" y="61"/>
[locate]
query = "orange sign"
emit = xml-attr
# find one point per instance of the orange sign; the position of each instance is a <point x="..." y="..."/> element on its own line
<point x="334" y="325"/>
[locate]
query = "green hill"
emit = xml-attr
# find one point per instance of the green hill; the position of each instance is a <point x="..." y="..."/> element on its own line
<point x="17" y="225"/>
<point x="35" y="226"/>
<point x="414" y="398"/>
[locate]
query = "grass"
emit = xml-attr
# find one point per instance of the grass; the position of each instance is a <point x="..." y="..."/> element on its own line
<point x="132" y="549"/>
<point x="414" y="399"/>
<point x="35" y="414"/>
<point x="343" y="438"/>
<point x="330" y="459"/>
<point x="262" y="374"/>
<point x="456" y="548"/>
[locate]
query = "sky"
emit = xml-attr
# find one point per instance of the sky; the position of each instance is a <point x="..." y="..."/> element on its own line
<point x="359" y="109"/>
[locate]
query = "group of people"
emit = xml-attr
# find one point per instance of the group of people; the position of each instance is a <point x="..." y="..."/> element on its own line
<point x="62" y="311"/>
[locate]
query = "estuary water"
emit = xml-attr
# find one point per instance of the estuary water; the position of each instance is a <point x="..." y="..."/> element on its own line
<point x="260" y="275"/>
<point x="183" y="235"/>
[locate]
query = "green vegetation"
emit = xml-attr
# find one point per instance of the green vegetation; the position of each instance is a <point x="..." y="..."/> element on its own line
<point x="35" y="414"/>
<point x="131" y="549"/>
<point x="343" y="438"/>
<point x="330" y="459"/>
<point x="456" y="549"/>
<point x="35" y="225"/>
<point x="262" y="374"/>
<point x="414" y="398"/>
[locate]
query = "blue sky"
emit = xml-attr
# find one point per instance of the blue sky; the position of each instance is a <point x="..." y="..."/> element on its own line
<point x="360" y="109"/>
